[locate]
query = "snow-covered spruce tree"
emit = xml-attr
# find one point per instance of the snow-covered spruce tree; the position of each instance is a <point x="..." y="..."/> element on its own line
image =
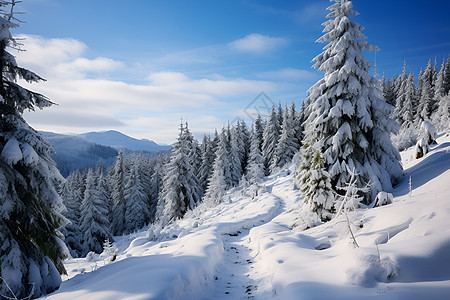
<point x="195" y="157"/>
<point x="31" y="249"/>
<point x="426" y="100"/>
<point x="387" y="90"/>
<point x="287" y="144"/>
<point x="94" y="217"/>
<point x="296" y="125"/>
<point x="137" y="214"/>
<point x="447" y="77"/>
<point x="255" y="170"/>
<point x="71" y="200"/>
<point x="104" y="190"/>
<point x="271" y="135"/>
<point x="208" y="156"/>
<point x="315" y="185"/>
<point x="180" y="185"/>
<point x="407" y="111"/>
<point x="443" y="112"/>
<point x="235" y="157"/>
<point x="351" y="121"/>
<point x="259" y="130"/>
<point x="408" y="133"/>
<point x="220" y="179"/>
<point x="439" y="116"/>
<point x="400" y="95"/>
<point x="117" y="183"/>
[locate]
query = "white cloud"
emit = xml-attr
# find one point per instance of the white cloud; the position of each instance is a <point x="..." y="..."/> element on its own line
<point x="256" y="43"/>
<point x="87" y="101"/>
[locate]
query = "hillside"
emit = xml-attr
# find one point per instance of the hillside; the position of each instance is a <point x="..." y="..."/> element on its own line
<point x="246" y="248"/>
<point x="75" y="153"/>
<point x="119" y="140"/>
<point x="78" y="152"/>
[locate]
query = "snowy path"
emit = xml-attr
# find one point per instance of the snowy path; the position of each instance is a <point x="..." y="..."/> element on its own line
<point x="238" y="275"/>
<point x="233" y="279"/>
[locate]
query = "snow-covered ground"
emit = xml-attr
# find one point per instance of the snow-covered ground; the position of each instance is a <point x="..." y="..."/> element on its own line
<point x="246" y="248"/>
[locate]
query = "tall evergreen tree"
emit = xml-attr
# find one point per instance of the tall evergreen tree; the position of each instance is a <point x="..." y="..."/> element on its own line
<point x="220" y="178"/>
<point x="426" y="100"/>
<point x="351" y="121"/>
<point x="71" y="199"/>
<point x="401" y="94"/>
<point x="271" y="135"/>
<point x="117" y="181"/>
<point x="31" y="251"/>
<point x="180" y="185"/>
<point x="255" y="172"/>
<point x="407" y="110"/>
<point x="94" y="214"/>
<point x="137" y="214"/>
<point x="387" y="90"/>
<point x="287" y="145"/>
<point x="235" y="154"/>
<point x="206" y="167"/>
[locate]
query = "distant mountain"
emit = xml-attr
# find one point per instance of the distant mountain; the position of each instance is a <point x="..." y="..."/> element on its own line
<point x="82" y="151"/>
<point x="75" y="153"/>
<point x="118" y="140"/>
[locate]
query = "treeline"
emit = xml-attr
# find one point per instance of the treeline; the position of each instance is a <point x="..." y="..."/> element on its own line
<point x="426" y="98"/>
<point x="100" y="205"/>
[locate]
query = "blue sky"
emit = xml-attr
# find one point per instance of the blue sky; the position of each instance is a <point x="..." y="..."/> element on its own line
<point x="138" y="68"/>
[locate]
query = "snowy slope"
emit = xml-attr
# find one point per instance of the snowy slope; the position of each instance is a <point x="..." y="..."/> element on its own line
<point x="118" y="139"/>
<point x="246" y="248"/>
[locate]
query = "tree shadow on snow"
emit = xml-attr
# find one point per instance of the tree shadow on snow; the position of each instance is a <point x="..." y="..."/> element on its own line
<point x="430" y="167"/>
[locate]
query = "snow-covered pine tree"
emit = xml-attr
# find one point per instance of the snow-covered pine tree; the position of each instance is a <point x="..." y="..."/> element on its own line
<point x="439" y="97"/>
<point x="315" y="184"/>
<point x="71" y="199"/>
<point x="255" y="170"/>
<point x="400" y="94"/>
<point x="195" y="157"/>
<point x="31" y="251"/>
<point x="94" y="217"/>
<point x="271" y="135"/>
<point x="208" y="156"/>
<point x="180" y="185"/>
<point x="234" y="152"/>
<point x="156" y="185"/>
<point x="259" y="130"/>
<point x="117" y="183"/>
<point x="407" y="111"/>
<point x="220" y="178"/>
<point x="387" y="90"/>
<point x="439" y="88"/>
<point x="443" y="112"/>
<point x="244" y="143"/>
<point x="287" y="144"/>
<point x="426" y="100"/>
<point x="447" y="77"/>
<point x="351" y="120"/>
<point x="296" y="125"/>
<point x="104" y="190"/>
<point x="137" y="214"/>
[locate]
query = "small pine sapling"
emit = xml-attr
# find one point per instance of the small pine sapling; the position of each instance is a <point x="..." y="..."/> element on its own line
<point x="351" y="200"/>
